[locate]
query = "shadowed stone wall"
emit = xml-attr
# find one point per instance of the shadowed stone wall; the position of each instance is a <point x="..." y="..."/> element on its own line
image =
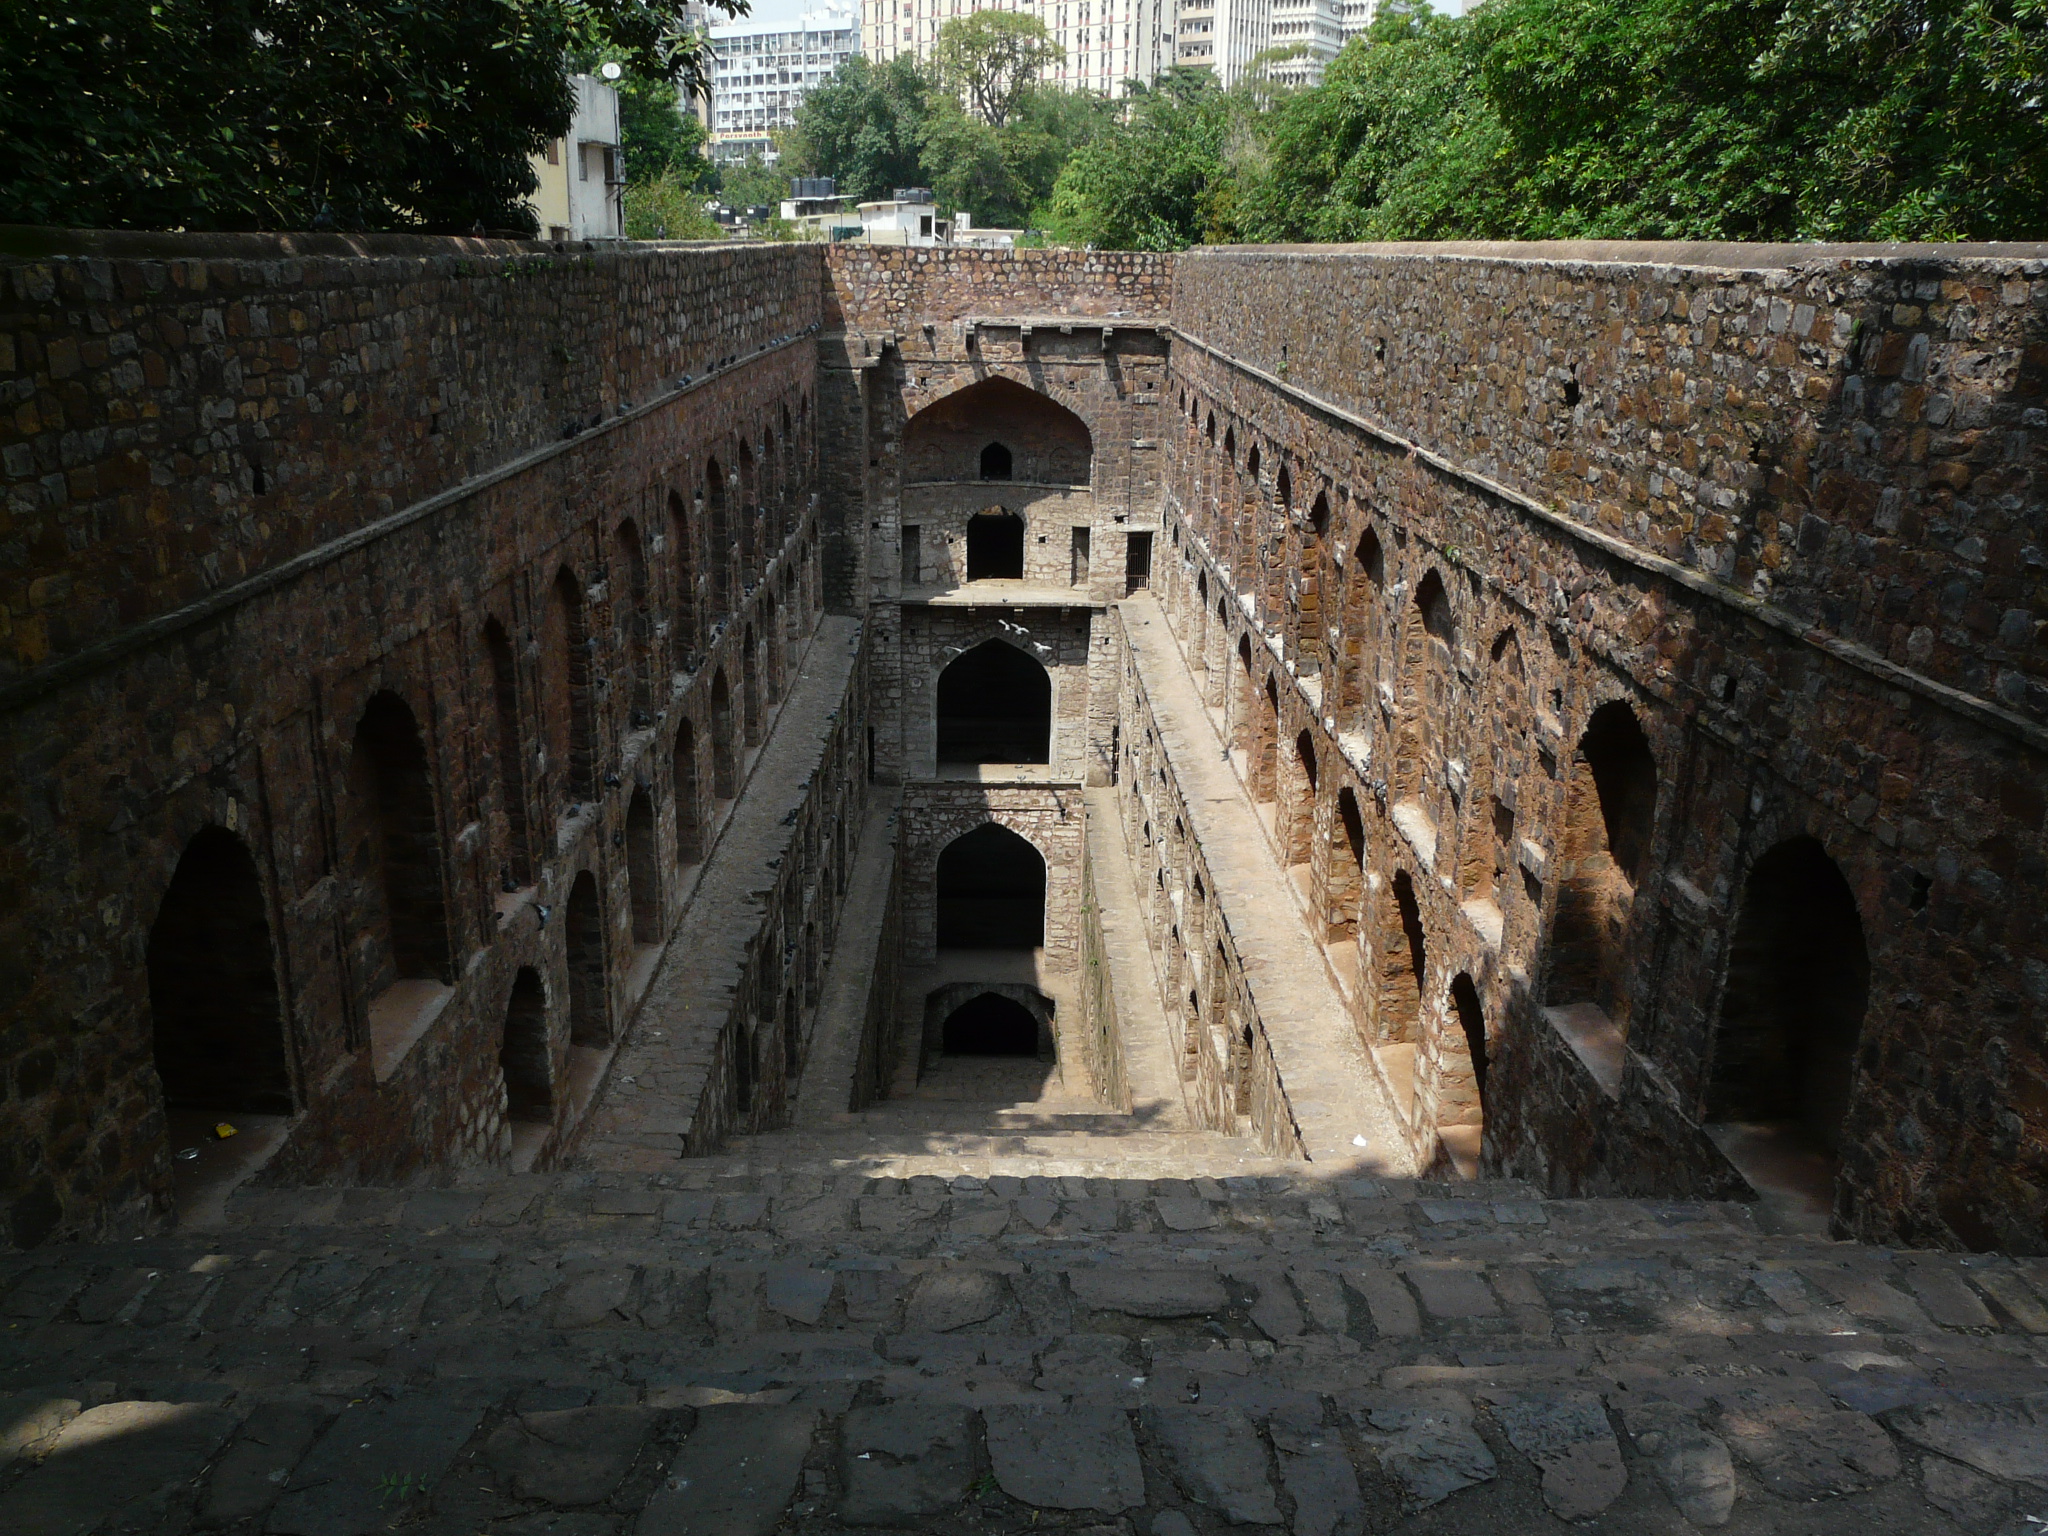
<point x="520" y="497"/>
<point x="1778" y="509"/>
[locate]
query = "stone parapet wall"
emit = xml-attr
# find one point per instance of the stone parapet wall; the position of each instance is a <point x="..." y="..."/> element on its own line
<point x="1427" y="576"/>
<point x="422" y="510"/>
<point x="875" y="289"/>
<point x="1852" y="436"/>
<point x="185" y="419"/>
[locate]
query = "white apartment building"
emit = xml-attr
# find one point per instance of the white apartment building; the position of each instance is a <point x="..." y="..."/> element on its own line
<point x="1107" y="41"/>
<point x="1354" y="16"/>
<point x="582" y="176"/>
<point x="1222" y="36"/>
<point x="1314" y="27"/>
<point x="760" y="71"/>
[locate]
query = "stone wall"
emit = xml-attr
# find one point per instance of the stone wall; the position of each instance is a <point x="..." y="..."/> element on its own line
<point x="1772" y="511"/>
<point x="1221" y="1037"/>
<point x="327" y="552"/>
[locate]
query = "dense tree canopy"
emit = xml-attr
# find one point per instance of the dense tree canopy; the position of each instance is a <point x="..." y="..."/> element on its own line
<point x="298" y="114"/>
<point x="1623" y="119"/>
<point x="1696" y="119"/>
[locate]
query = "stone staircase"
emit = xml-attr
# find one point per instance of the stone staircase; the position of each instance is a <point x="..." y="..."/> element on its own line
<point x="772" y="1341"/>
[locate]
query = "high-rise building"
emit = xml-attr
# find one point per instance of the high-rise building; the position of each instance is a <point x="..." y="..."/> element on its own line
<point x="1223" y="36"/>
<point x="1106" y="42"/>
<point x="761" y="71"/>
<point x="1314" y="29"/>
<point x="1354" y="16"/>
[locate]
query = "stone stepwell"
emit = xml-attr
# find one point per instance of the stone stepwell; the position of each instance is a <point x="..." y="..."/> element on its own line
<point x="777" y="1340"/>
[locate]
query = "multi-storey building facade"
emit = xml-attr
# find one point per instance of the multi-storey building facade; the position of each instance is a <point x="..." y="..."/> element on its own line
<point x="761" y="72"/>
<point x="1105" y="42"/>
<point x="582" y="175"/>
<point x="1311" y="32"/>
<point x="1223" y="36"/>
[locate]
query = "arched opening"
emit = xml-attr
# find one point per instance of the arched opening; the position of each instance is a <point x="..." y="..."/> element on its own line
<point x="990" y="1025"/>
<point x="724" y="768"/>
<point x="718" y="519"/>
<point x="1347" y="870"/>
<point x="635" y="622"/>
<point x="643" y="874"/>
<point x="523" y="1054"/>
<point x="1461" y="1080"/>
<point x="566" y="704"/>
<point x="1298" y="833"/>
<point x="1792" y="1008"/>
<point x="216" y="1024"/>
<point x="749" y="513"/>
<point x="1610" y="813"/>
<point x="750" y="689"/>
<point x="995" y="462"/>
<point x="990" y="891"/>
<point x="1426" y="638"/>
<point x="994" y="706"/>
<point x="1371" y="559"/>
<point x="683" y="621"/>
<point x="740" y="1047"/>
<point x="403" y="846"/>
<point x="589" y="997"/>
<point x="792" y="1034"/>
<point x="949" y="439"/>
<point x="1403" y="961"/>
<point x="511" y="754"/>
<point x="689" y="811"/>
<point x="995" y="546"/>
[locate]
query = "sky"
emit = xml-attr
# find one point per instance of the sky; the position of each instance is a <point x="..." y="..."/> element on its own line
<point x="785" y="11"/>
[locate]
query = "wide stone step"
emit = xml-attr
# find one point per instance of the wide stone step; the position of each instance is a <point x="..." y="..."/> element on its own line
<point x="595" y="1354"/>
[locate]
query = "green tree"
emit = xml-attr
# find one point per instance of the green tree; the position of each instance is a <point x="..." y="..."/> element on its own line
<point x="658" y="136"/>
<point x="667" y="206"/>
<point x="864" y="127"/>
<point x="1148" y="182"/>
<point x="992" y="58"/>
<point x="296" y="114"/>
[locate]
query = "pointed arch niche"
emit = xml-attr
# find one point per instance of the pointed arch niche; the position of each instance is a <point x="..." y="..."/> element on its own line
<point x="994" y="705"/>
<point x="997" y="425"/>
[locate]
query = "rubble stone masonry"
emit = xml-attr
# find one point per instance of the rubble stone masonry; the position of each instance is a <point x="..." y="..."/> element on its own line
<point x="1632" y="662"/>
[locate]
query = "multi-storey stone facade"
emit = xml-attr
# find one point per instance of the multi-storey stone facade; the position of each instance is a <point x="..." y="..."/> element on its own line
<point x="390" y="625"/>
<point x="1571" y="712"/>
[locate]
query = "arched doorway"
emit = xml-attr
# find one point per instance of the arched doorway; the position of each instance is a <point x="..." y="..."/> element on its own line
<point x="718" y="517"/>
<point x="511" y="753"/>
<point x="1610" y="812"/>
<point x="523" y="1054"/>
<point x="994" y="706"/>
<point x="216" y="1025"/>
<point x="724" y="769"/>
<point x="1461" y="1079"/>
<point x="995" y="462"/>
<point x="1793" y="1004"/>
<point x="750" y="689"/>
<point x="643" y="875"/>
<point x="995" y="546"/>
<point x="389" y="774"/>
<point x="683" y="772"/>
<point x="950" y="439"/>
<point x="629" y="562"/>
<point x="589" y="997"/>
<point x="990" y="891"/>
<point x="990" y="1025"/>
<point x="565" y="702"/>
<point x="1403" y="962"/>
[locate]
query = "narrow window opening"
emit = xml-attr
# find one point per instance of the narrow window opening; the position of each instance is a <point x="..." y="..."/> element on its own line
<point x="995" y="546"/>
